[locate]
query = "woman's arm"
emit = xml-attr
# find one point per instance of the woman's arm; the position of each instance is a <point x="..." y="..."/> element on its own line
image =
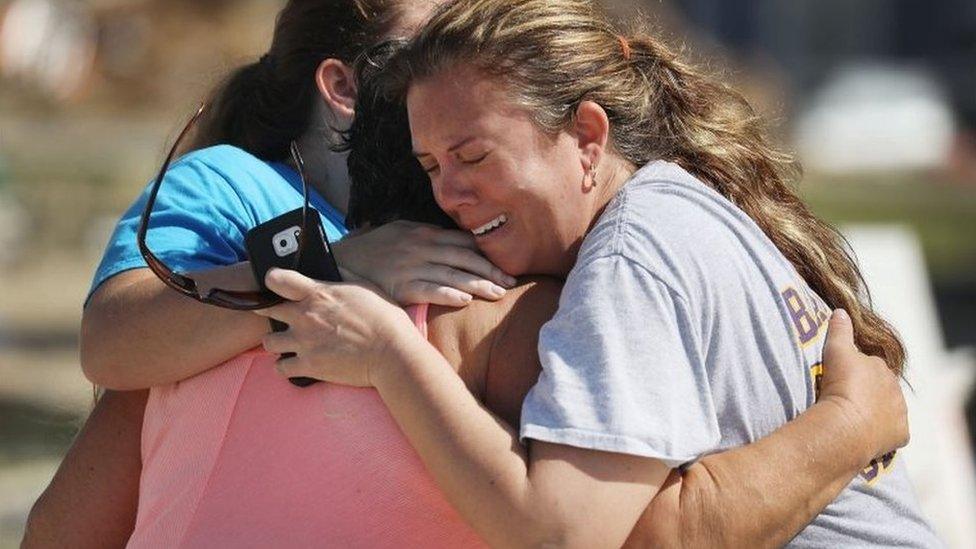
<point x="551" y="493"/>
<point x="137" y="333"/>
<point x="91" y="501"/>
<point x="513" y="497"/>
<point x="787" y="478"/>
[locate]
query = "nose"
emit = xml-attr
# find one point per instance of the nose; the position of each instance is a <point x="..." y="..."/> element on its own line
<point x="453" y="190"/>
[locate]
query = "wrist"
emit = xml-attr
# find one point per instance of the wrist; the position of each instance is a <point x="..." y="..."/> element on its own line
<point x="403" y="352"/>
<point x="848" y="422"/>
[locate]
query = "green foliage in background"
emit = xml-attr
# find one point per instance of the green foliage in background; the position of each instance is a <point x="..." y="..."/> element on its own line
<point x="942" y="213"/>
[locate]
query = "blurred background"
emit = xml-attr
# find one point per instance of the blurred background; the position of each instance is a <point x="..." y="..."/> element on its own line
<point x="876" y="97"/>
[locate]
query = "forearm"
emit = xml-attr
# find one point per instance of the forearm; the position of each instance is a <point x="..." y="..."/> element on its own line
<point x="784" y="480"/>
<point x="142" y="333"/>
<point x="552" y="495"/>
<point x="475" y="458"/>
<point x="91" y="501"/>
<point x="546" y="494"/>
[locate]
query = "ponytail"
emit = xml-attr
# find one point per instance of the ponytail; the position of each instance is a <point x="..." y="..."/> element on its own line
<point x="245" y="112"/>
<point x="263" y="106"/>
<point x="713" y="133"/>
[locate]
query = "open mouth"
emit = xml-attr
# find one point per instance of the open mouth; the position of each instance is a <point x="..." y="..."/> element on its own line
<point x="491" y="226"/>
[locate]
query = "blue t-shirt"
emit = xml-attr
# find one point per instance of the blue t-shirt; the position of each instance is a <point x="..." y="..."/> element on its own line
<point x="208" y="201"/>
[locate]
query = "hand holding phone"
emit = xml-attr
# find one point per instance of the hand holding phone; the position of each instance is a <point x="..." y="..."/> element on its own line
<point x="275" y="243"/>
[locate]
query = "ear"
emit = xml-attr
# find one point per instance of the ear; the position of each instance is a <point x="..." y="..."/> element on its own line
<point x="592" y="130"/>
<point x="337" y="84"/>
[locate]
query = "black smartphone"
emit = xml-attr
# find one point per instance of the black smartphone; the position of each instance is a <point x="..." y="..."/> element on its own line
<point x="274" y="243"/>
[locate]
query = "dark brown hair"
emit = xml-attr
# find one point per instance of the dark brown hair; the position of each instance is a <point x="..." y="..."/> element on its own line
<point x="388" y="182"/>
<point x="261" y="107"/>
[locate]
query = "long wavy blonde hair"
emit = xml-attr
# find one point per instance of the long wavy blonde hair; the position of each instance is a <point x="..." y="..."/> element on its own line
<point x="553" y="54"/>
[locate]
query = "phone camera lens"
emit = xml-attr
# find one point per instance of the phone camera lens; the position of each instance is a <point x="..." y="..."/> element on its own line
<point x="283" y="243"/>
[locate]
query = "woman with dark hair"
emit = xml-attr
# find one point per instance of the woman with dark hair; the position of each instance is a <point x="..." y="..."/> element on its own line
<point x="236" y="174"/>
<point x="238" y="456"/>
<point x="692" y="321"/>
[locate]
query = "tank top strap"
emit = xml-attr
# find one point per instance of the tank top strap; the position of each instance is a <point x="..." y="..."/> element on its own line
<point x="418" y="314"/>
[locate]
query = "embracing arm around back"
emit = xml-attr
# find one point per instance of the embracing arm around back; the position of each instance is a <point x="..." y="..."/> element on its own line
<point x="91" y="501"/>
<point x="137" y="333"/>
<point x="542" y="493"/>
<point x="788" y="477"/>
<point x="860" y="414"/>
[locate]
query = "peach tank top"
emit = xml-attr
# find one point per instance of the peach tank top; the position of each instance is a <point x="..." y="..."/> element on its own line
<point x="239" y="457"/>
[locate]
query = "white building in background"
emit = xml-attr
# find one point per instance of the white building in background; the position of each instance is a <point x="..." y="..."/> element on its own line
<point x="939" y="458"/>
<point x="871" y="117"/>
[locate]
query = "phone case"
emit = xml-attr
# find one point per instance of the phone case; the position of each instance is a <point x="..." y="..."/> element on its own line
<point x="274" y="243"/>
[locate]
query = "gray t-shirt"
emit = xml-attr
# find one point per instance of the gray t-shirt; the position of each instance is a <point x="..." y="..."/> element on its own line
<point x="683" y="331"/>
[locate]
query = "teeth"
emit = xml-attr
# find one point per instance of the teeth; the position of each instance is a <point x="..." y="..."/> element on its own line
<point x="490" y="226"/>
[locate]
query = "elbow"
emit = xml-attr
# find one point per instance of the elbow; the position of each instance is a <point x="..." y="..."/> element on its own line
<point x="98" y="358"/>
<point x="106" y="375"/>
<point x="40" y="526"/>
<point x="581" y="536"/>
<point x="92" y="365"/>
<point x="92" y="352"/>
<point x="549" y="538"/>
<point x="682" y="514"/>
<point x="562" y="534"/>
<point x="530" y="530"/>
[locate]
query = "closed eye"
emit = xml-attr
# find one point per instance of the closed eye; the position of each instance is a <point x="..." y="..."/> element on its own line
<point x="476" y="159"/>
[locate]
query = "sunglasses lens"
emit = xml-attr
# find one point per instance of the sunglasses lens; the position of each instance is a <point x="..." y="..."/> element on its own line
<point x="242" y="300"/>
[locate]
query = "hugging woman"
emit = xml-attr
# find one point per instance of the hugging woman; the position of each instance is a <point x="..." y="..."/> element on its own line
<point x="697" y="285"/>
<point x="231" y="492"/>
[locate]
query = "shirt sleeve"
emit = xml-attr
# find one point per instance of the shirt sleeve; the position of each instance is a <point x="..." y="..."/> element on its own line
<point x="198" y="222"/>
<point x="622" y="369"/>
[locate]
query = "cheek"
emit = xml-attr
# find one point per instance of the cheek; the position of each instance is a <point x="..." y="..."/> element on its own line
<point x="555" y="197"/>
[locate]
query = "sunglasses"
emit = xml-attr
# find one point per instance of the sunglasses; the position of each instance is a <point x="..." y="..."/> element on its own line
<point x="228" y="299"/>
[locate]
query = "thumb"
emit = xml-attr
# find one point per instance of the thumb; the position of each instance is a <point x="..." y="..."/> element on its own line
<point x="840" y="336"/>
<point x="290" y="285"/>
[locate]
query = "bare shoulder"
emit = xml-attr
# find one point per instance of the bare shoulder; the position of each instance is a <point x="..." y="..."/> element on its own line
<point x="530" y="305"/>
<point x="492" y="344"/>
<point x="459" y="332"/>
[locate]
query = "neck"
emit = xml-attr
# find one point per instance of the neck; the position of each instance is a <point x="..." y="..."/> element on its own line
<point x="616" y="175"/>
<point x="325" y="169"/>
<point x="610" y="179"/>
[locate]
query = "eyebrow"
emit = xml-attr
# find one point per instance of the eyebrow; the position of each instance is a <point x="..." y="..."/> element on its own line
<point x="453" y="148"/>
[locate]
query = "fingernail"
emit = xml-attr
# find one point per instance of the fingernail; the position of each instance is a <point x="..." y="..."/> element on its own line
<point x="497" y="290"/>
<point x="510" y="281"/>
<point x="842" y="315"/>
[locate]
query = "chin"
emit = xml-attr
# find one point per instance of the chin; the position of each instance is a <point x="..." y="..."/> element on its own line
<point x="510" y="263"/>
